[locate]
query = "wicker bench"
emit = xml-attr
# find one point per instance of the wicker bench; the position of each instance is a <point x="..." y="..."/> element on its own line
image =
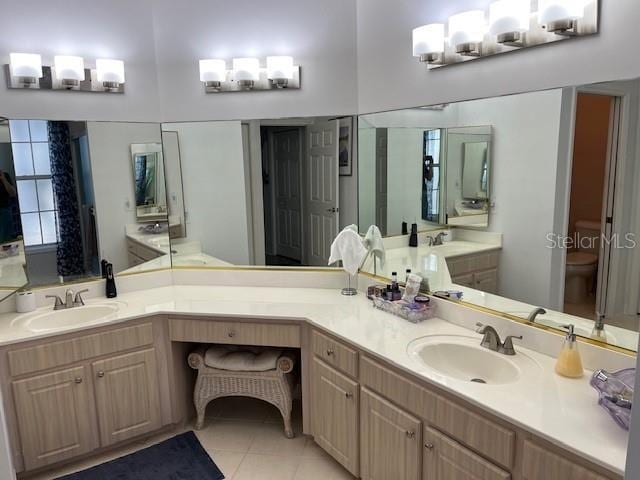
<point x="273" y="386"/>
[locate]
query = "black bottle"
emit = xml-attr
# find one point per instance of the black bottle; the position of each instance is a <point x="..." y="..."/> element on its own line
<point x="103" y="268"/>
<point x="404" y="228"/>
<point x="413" y="239"/>
<point x="111" y="282"/>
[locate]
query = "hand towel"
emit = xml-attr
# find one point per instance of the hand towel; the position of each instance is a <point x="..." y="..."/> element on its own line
<point x="348" y="247"/>
<point x="373" y="242"/>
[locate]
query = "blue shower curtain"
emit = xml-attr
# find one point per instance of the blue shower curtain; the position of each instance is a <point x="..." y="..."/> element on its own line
<point x="69" y="253"/>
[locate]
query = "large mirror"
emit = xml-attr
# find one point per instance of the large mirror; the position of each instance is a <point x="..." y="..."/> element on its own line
<point x="84" y="191"/>
<point x="532" y="214"/>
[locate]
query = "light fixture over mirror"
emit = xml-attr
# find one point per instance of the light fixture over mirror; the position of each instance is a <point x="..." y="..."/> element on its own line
<point x="26" y="68"/>
<point x="466" y="32"/>
<point x="280" y="70"/>
<point x="509" y="20"/>
<point x="212" y="73"/>
<point x="560" y="16"/>
<point x="246" y="71"/>
<point x="110" y="73"/>
<point x="428" y="42"/>
<point x="69" y="70"/>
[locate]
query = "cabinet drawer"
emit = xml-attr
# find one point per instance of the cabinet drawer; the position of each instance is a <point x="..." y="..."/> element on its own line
<point x="335" y="353"/>
<point x="540" y="464"/>
<point x="484" y="436"/>
<point x="472" y="263"/>
<point x="64" y="352"/>
<point x="234" y="333"/>
<point x="445" y="459"/>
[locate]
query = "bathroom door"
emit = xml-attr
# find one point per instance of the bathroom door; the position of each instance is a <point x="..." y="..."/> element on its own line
<point x="321" y="192"/>
<point x="287" y="155"/>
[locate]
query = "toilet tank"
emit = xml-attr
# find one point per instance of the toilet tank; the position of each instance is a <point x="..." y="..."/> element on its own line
<point x="588" y="236"/>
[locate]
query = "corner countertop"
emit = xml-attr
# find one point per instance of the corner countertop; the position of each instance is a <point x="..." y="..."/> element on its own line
<point x="563" y="411"/>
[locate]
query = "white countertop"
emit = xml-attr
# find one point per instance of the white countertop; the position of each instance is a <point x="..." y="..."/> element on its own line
<point x="560" y="410"/>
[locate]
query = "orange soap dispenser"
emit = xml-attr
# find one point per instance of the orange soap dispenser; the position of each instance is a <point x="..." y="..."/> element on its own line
<point x="569" y="363"/>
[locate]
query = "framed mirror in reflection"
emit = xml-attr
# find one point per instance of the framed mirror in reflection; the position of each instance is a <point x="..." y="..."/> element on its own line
<point x="538" y="206"/>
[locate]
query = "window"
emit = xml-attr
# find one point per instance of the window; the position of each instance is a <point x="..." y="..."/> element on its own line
<point x="431" y="176"/>
<point x="30" y="145"/>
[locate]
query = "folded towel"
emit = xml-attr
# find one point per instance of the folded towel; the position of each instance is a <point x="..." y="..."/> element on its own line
<point x="373" y="242"/>
<point x="249" y="360"/>
<point x="348" y="247"/>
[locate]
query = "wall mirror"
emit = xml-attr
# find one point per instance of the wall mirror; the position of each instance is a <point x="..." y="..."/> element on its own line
<point x="270" y="192"/>
<point x="77" y="199"/>
<point x="540" y="204"/>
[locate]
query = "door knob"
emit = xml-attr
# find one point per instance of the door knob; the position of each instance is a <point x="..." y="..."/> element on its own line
<point x="428" y="446"/>
<point x="100" y="374"/>
<point x="410" y="434"/>
<point x="78" y="380"/>
<point x="330" y="352"/>
<point x="332" y="210"/>
<point x="232" y="334"/>
<point x="349" y="395"/>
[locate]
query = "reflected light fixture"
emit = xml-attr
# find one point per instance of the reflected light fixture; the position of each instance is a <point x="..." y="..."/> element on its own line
<point x="428" y="43"/>
<point x="509" y="20"/>
<point x="560" y="16"/>
<point x="26" y="67"/>
<point x="280" y="70"/>
<point x="69" y="70"/>
<point x="466" y="32"/>
<point x="246" y="71"/>
<point x="212" y="73"/>
<point x="110" y="73"/>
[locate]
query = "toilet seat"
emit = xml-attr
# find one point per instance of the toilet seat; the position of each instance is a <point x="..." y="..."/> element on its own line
<point x="581" y="259"/>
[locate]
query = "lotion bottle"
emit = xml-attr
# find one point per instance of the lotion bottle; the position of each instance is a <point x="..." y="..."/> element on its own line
<point x="569" y="363"/>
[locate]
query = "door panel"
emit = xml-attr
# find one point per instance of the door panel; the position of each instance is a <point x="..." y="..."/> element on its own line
<point x="390" y="440"/>
<point x="56" y="417"/>
<point x="322" y="191"/>
<point x="335" y="414"/>
<point x="127" y="396"/>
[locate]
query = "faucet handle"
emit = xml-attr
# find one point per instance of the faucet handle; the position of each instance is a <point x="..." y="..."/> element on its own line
<point x="59" y="304"/>
<point x="507" y="346"/>
<point x="480" y="328"/>
<point x="78" y="300"/>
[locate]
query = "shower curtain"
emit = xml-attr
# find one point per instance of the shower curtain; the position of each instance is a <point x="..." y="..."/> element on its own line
<point x="69" y="253"/>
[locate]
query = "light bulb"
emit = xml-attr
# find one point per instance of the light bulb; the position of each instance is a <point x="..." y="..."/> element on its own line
<point x="110" y="73"/>
<point x="26" y="66"/>
<point x="550" y="11"/>
<point x="213" y="70"/>
<point x="69" y="70"/>
<point x="428" y="41"/>
<point x="466" y="30"/>
<point x="509" y="16"/>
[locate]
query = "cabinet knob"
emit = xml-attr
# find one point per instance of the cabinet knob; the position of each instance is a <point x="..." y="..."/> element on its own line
<point x="100" y="374"/>
<point x="330" y="352"/>
<point x="349" y="395"/>
<point x="428" y="446"/>
<point x="231" y="334"/>
<point x="410" y="434"/>
<point x="78" y="380"/>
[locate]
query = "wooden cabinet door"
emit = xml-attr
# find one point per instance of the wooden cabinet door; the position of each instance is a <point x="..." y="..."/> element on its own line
<point x="541" y="464"/>
<point x="445" y="459"/>
<point x="486" y="281"/>
<point x="464" y="280"/>
<point x="390" y="440"/>
<point x="56" y="416"/>
<point x="335" y="414"/>
<point x="127" y="396"/>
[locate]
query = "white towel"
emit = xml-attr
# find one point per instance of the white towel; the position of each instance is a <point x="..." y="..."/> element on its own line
<point x="373" y="242"/>
<point x="348" y="247"/>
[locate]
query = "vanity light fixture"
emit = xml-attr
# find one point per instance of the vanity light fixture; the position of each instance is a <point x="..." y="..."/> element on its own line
<point x="110" y="73"/>
<point x="69" y="70"/>
<point x="26" y="68"/>
<point x="561" y="16"/>
<point x="466" y="32"/>
<point x="246" y="72"/>
<point x="212" y="73"/>
<point x="506" y="26"/>
<point x="428" y="43"/>
<point x="280" y="70"/>
<point x="509" y="20"/>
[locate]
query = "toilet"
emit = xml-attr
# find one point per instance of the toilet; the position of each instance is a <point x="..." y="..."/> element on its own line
<point x="582" y="263"/>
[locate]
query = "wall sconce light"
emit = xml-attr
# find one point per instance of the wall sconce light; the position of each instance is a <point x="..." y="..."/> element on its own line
<point x="560" y="16"/>
<point x="512" y="25"/>
<point x="69" y="70"/>
<point x="247" y="75"/>
<point x="280" y="70"/>
<point x="466" y="32"/>
<point x="26" y="68"/>
<point x="246" y="72"/>
<point x="213" y="72"/>
<point x="110" y="73"/>
<point x="428" y="43"/>
<point x="509" y="20"/>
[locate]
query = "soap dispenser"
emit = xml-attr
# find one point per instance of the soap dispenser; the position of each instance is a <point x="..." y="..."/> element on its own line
<point x="111" y="282"/>
<point x="569" y="363"/>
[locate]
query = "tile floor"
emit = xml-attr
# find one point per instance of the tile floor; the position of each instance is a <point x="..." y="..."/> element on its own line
<point x="246" y="439"/>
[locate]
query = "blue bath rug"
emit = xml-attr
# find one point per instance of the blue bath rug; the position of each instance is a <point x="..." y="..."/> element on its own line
<point x="179" y="458"/>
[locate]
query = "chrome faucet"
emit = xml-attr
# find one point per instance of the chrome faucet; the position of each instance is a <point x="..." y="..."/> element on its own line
<point x="491" y="340"/>
<point x="71" y="301"/>
<point x="535" y="313"/>
<point x="437" y="240"/>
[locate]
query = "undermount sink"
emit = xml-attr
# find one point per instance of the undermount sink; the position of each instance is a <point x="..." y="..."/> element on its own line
<point x="57" y="319"/>
<point x="462" y="358"/>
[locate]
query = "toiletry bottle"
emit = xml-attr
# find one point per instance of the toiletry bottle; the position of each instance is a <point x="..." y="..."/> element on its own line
<point x="413" y="239"/>
<point x="406" y="275"/>
<point x="103" y="268"/>
<point x="111" y="282"/>
<point x="394" y="280"/>
<point x="405" y="229"/>
<point x="569" y="363"/>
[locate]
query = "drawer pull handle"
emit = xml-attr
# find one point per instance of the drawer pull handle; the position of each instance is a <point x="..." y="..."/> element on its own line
<point x="78" y="380"/>
<point x="330" y="352"/>
<point x="411" y="434"/>
<point x="349" y="395"/>
<point x="231" y="334"/>
<point x="100" y="374"/>
<point x="428" y="446"/>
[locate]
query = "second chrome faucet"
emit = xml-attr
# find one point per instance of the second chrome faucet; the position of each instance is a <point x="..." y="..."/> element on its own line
<point x="491" y="340"/>
<point x="71" y="301"/>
